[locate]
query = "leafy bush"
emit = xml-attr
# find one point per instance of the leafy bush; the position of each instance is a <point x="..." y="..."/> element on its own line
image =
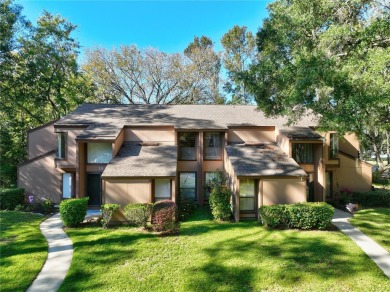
<point x="164" y="216"/>
<point x="310" y="215"/>
<point x="377" y="198"/>
<point x="73" y="211"/>
<point x="300" y="215"/>
<point x="379" y="179"/>
<point x="185" y="208"/>
<point x="107" y="212"/>
<point x="273" y="216"/>
<point x="220" y="196"/>
<point x="10" y="198"/>
<point x="138" y="213"/>
<point x="47" y="206"/>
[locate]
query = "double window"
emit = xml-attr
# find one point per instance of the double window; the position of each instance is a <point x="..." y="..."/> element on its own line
<point x="99" y="152"/>
<point x="61" y="145"/>
<point x="187" y="146"/>
<point x="162" y="189"/>
<point x="187" y="185"/>
<point x="212" y="146"/>
<point x="302" y="152"/>
<point x="334" y="146"/>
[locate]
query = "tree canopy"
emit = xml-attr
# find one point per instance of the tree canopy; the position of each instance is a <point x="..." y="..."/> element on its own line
<point x="331" y="57"/>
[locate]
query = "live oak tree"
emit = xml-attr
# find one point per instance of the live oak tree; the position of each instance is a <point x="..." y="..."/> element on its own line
<point x="239" y="52"/>
<point x="329" y="57"/>
<point x="40" y="79"/>
<point x="148" y="76"/>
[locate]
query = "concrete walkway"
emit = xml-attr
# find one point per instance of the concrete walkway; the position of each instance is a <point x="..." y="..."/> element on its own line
<point x="377" y="253"/>
<point x="59" y="256"/>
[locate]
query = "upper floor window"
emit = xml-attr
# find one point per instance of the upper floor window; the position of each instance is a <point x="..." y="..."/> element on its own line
<point x="334" y="146"/>
<point x="61" y="144"/>
<point x="302" y="152"/>
<point x="187" y="146"/>
<point x="99" y="152"/>
<point x="212" y="146"/>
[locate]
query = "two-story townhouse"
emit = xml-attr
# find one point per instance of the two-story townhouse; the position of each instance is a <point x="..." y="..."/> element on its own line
<point x="145" y="153"/>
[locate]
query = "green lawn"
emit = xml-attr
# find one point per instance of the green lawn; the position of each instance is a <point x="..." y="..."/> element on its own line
<point x="211" y="256"/>
<point x="23" y="250"/>
<point x="375" y="223"/>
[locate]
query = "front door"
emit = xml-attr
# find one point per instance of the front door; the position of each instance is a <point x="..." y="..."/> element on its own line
<point x="94" y="189"/>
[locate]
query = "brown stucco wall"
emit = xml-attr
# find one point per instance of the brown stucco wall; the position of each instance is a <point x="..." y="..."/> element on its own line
<point x="233" y="182"/>
<point x="41" y="179"/>
<point x="118" y="143"/>
<point x="251" y="135"/>
<point x="150" y="134"/>
<point x="125" y="191"/>
<point x="41" y="141"/>
<point x="283" y="142"/>
<point x="353" y="174"/>
<point x="282" y="191"/>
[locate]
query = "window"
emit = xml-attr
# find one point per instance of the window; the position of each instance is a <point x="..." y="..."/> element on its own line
<point x="247" y="195"/>
<point x="187" y="145"/>
<point x="67" y="185"/>
<point x="334" y="146"/>
<point x="188" y="185"/>
<point x="302" y="153"/>
<point x="212" y="146"/>
<point x="61" y="144"/>
<point x="208" y="177"/>
<point x="162" y="189"/>
<point x="99" y="152"/>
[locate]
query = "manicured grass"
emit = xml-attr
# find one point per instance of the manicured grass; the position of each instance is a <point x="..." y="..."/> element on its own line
<point x="211" y="256"/>
<point x="375" y="223"/>
<point x="23" y="250"/>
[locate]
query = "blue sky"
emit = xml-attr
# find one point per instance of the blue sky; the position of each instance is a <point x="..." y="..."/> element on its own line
<point x="166" y="25"/>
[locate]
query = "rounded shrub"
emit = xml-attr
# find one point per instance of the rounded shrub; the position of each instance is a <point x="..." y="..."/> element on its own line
<point x="10" y="198"/>
<point x="164" y="217"/>
<point x="273" y="216"/>
<point x="73" y="211"/>
<point x="138" y="213"/>
<point x="107" y="211"/>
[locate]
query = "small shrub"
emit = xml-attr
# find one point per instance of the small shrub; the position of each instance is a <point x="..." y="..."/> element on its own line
<point x="273" y="216"/>
<point x="47" y="206"/>
<point x="220" y="196"/>
<point x="10" y="198"/>
<point x="73" y="211"/>
<point x="164" y="217"/>
<point x="138" y="213"/>
<point x="20" y="208"/>
<point x="377" y="198"/>
<point x="300" y="215"/>
<point x="107" y="212"/>
<point x="185" y="208"/>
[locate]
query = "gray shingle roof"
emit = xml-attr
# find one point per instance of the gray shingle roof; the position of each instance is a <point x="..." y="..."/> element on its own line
<point x="179" y="116"/>
<point x="262" y="160"/>
<point x="134" y="160"/>
<point x="300" y="133"/>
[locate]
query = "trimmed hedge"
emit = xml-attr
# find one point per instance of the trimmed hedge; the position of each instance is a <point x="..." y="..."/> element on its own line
<point x="138" y="213"/>
<point x="164" y="217"/>
<point x="73" y="211"/>
<point x="300" y="215"/>
<point x="10" y="198"/>
<point x="377" y="198"/>
<point x="107" y="211"/>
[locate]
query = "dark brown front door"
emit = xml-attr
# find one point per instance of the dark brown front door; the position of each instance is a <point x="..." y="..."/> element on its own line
<point x="94" y="189"/>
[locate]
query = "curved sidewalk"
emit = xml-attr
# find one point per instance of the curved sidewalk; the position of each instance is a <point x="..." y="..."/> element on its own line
<point x="58" y="259"/>
<point x="377" y="253"/>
